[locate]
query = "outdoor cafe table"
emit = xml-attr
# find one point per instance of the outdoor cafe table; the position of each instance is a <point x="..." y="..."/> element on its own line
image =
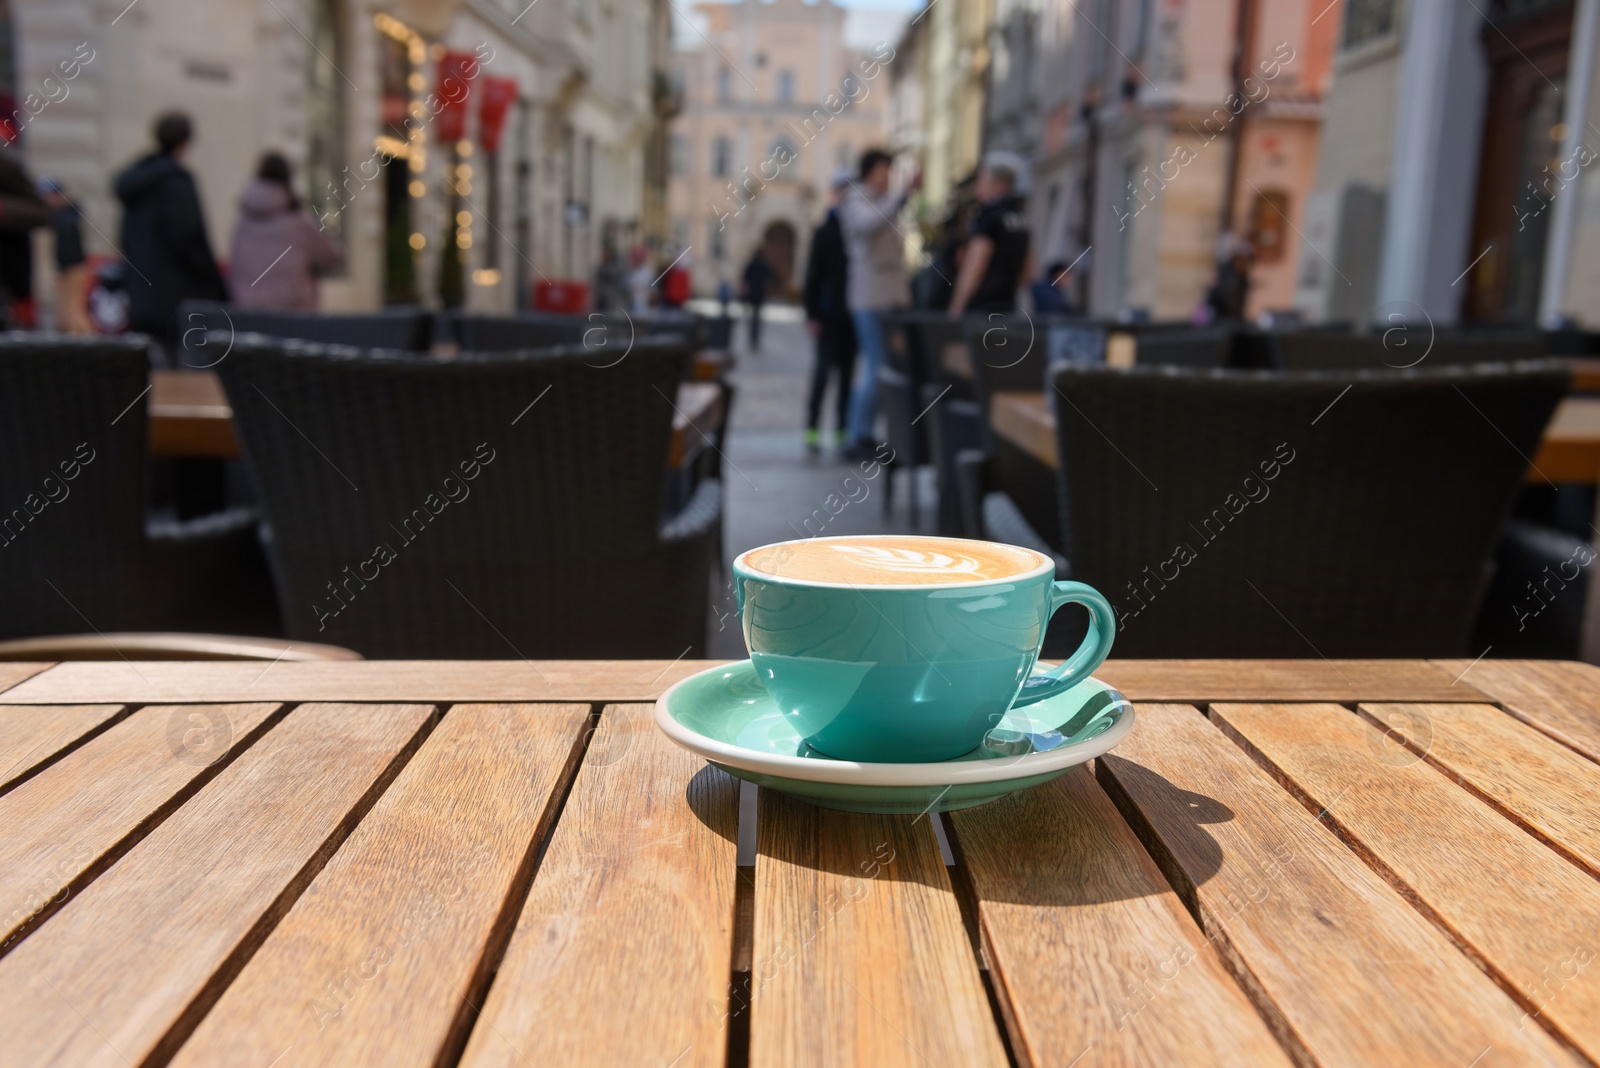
<point x="440" y="863"/>
<point x="190" y="417"/>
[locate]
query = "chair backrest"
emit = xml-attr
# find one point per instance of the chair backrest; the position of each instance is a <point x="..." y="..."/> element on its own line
<point x="939" y="342"/>
<point x="1401" y="347"/>
<point x="418" y="506"/>
<point x="1008" y="352"/>
<point x="407" y="329"/>
<point x="72" y="483"/>
<point x="1486" y="346"/>
<point x="1196" y="346"/>
<point x="600" y="332"/>
<point x="511" y="333"/>
<point x="1260" y="514"/>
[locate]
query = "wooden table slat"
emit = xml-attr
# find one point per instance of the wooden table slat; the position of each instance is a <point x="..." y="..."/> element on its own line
<point x="1202" y="681"/>
<point x="1092" y="948"/>
<point x="31" y="736"/>
<point x="136" y="955"/>
<point x="442" y="681"/>
<point x="1345" y="970"/>
<point x="450" y="681"/>
<point x="1560" y="698"/>
<point x="1547" y="787"/>
<point x="622" y="952"/>
<point x="860" y="952"/>
<point x="1463" y="860"/>
<point x="63" y="822"/>
<point x="13" y="673"/>
<point x="372" y="964"/>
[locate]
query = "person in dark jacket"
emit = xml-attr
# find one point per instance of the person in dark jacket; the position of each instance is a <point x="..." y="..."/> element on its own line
<point x="997" y="256"/>
<point x="164" y="233"/>
<point x="757" y="276"/>
<point x="828" y="320"/>
<point x="22" y="210"/>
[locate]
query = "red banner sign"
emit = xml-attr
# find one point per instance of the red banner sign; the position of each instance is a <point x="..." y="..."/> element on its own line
<point x="498" y="96"/>
<point x="457" y="70"/>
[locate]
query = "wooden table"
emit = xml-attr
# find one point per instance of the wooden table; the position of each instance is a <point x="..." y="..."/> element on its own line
<point x="190" y="417"/>
<point x="1287" y="862"/>
<point x="1570" y="452"/>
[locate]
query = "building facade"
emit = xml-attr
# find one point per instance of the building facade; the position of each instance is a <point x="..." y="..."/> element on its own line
<point x="1170" y="132"/>
<point x="461" y="150"/>
<point x="774" y="105"/>
<point x="1457" y="179"/>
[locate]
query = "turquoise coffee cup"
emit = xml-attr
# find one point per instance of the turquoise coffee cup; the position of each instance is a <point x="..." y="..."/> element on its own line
<point x="888" y="673"/>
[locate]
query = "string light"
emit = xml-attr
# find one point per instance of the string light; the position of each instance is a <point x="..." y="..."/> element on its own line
<point x="418" y="242"/>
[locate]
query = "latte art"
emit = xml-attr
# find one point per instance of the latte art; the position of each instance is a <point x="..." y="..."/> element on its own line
<point x="892" y="560"/>
<point x="911" y="561"/>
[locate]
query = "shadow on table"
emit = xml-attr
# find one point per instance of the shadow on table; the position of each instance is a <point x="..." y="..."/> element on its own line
<point x="1060" y="844"/>
<point x="713" y="797"/>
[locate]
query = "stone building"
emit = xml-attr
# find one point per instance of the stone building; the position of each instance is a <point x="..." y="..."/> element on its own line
<point x="1154" y="142"/>
<point x="430" y="204"/>
<point x="1457" y="177"/>
<point x="774" y="104"/>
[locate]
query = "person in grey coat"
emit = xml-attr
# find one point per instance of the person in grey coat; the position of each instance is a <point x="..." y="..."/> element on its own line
<point x="279" y="248"/>
<point x="877" y="284"/>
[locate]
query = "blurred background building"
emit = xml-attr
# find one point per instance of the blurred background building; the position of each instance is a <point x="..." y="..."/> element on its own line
<point x="775" y="103"/>
<point x="1356" y="158"/>
<point x="540" y="167"/>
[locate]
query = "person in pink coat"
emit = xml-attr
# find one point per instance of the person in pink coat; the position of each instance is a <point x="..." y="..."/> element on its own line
<point x="279" y="248"/>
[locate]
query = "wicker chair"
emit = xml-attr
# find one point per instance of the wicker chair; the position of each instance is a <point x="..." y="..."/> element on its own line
<point x="397" y="328"/>
<point x="423" y="507"/>
<point x="607" y="335"/>
<point x="1403" y="347"/>
<point x="1010" y="353"/>
<point x="954" y="421"/>
<point x="77" y="550"/>
<point x="1200" y="346"/>
<point x="1373" y="538"/>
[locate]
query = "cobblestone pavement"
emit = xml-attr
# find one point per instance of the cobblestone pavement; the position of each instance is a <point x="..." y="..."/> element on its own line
<point x="774" y="490"/>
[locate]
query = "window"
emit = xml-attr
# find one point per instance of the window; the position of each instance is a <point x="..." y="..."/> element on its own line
<point x="721" y="157"/>
<point x="678" y="155"/>
<point x="786" y="86"/>
<point x="724" y="84"/>
<point x="842" y="157"/>
<point x="784" y="157"/>
<point x="719" y="250"/>
<point x="1366" y="20"/>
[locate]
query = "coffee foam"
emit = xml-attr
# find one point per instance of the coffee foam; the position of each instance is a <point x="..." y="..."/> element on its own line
<point x="893" y="561"/>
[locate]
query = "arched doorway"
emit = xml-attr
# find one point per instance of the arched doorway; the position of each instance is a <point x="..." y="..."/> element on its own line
<point x="777" y="246"/>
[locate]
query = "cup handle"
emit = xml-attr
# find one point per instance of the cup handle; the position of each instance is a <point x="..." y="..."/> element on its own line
<point x="1090" y="655"/>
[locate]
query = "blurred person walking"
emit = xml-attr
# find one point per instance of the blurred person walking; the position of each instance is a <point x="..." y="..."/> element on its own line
<point x="676" y="284"/>
<point x="164" y="233"/>
<point x="1050" y="290"/>
<point x="279" y="248"/>
<point x="641" y="279"/>
<point x="22" y="210"/>
<point x="757" y="275"/>
<point x="828" y="320"/>
<point x="72" y="271"/>
<point x="996" y="259"/>
<point x="1229" y="294"/>
<point x="877" y="284"/>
